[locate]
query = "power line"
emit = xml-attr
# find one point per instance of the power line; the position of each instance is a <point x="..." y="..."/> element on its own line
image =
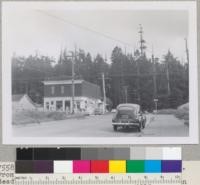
<point x="87" y="29"/>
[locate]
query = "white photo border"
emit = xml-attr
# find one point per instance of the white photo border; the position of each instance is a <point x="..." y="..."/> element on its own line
<point x="190" y="6"/>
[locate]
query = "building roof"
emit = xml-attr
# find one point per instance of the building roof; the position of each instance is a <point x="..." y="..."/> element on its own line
<point x="17" y="97"/>
<point x="55" y="82"/>
<point x="60" y="77"/>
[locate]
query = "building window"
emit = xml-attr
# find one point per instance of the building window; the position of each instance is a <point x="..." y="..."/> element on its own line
<point x="52" y="102"/>
<point x="78" y="104"/>
<point x="52" y="89"/>
<point x="62" y="89"/>
<point x="47" y="105"/>
<point x="59" y="105"/>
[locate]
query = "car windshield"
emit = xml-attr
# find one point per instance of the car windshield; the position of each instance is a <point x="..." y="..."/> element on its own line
<point x="126" y="111"/>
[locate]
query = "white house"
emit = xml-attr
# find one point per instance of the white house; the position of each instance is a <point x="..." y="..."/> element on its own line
<point x="22" y="102"/>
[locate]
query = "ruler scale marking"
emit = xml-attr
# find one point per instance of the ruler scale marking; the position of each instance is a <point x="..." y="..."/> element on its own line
<point x="136" y="179"/>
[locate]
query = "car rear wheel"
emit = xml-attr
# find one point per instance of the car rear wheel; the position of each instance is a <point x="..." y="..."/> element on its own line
<point x="115" y="127"/>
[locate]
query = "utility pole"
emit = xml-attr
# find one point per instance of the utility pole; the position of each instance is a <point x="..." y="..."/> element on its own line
<point x="138" y="81"/>
<point x="26" y="87"/>
<point x="168" y="84"/>
<point x="186" y="50"/>
<point x="126" y="93"/>
<point x="168" y="79"/>
<point x="142" y="41"/>
<point x="104" y="93"/>
<point x="142" y="53"/>
<point x="73" y="88"/>
<point x="154" y="82"/>
<point x="154" y="76"/>
<point x="73" y="57"/>
<point x="125" y="50"/>
<point x="105" y="58"/>
<point x="187" y="64"/>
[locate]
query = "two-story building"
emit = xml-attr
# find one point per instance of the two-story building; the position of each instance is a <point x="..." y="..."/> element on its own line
<point x="58" y="96"/>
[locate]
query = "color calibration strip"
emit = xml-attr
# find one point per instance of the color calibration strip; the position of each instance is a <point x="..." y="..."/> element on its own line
<point x="99" y="160"/>
<point x="133" y="153"/>
<point x="99" y="166"/>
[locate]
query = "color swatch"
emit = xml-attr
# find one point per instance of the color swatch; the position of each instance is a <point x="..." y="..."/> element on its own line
<point x="24" y="166"/>
<point x="123" y="153"/>
<point x="73" y="153"/>
<point x="99" y="160"/>
<point x="135" y="166"/>
<point x="24" y="154"/>
<point x="171" y="166"/>
<point x="81" y="166"/>
<point x="137" y="153"/>
<point x="153" y="153"/>
<point x="171" y="153"/>
<point x="117" y="166"/>
<point x="152" y="166"/>
<point x="57" y="154"/>
<point x="43" y="166"/>
<point x="99" y="166"/>
<point x="63" y="167"/>
<point x="34" y="166"/>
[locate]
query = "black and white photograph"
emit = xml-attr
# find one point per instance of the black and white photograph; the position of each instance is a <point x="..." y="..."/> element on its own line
<point x="99" y="73"/>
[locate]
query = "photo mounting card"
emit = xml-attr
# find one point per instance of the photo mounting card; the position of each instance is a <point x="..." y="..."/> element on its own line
<point x="99" y="72"/>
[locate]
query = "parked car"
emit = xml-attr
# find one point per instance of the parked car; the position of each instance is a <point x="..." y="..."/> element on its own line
<point x="98" y="111"/>
<point x="128" y="116"/>
<point x="113" y="111"/>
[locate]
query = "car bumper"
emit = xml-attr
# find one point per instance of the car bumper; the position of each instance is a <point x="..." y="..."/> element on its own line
<point x="126" y="124"/>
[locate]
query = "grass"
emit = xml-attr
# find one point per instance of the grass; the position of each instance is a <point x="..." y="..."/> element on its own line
<point x="27" y="117"/>
<point x="166" y="111"/>
<point x="182" y="112"/>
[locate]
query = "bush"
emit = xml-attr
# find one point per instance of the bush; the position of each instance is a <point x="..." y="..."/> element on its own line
<point x="166" y="111"/>
<point x="183" y="113"/>
<point x="56" y="115"/>
<point x="34" y="116"/>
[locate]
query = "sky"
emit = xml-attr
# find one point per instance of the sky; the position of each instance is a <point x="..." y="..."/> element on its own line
<point x="47" y="32"/>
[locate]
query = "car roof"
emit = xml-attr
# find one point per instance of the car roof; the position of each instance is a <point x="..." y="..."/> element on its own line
<point x="129" y="105"/>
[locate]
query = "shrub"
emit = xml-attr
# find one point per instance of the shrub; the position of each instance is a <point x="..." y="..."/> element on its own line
<point x="34" y="116"/>
<point x="56" y="115"/>
<point x="166" y="111"/>
<point x="183" y="113"/>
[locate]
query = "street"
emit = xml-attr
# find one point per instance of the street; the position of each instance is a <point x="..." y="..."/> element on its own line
<point x="101" y="126"/>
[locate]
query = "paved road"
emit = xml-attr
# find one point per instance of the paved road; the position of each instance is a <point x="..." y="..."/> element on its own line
<point x="101" y="126"/>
